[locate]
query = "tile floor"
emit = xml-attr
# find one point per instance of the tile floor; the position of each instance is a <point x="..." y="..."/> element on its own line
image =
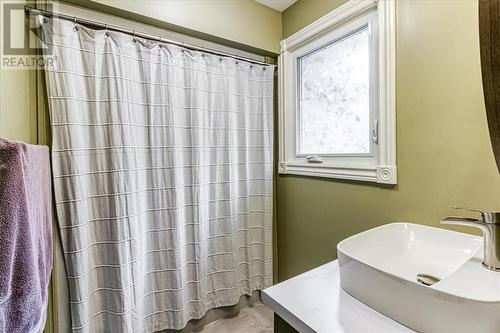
<point x="255" y="319"/>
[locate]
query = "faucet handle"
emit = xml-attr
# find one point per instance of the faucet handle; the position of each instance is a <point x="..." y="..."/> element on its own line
<point x="488" y="216"/>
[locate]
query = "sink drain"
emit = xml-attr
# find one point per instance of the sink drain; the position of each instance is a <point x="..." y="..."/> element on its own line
<point x="427" y="279"/>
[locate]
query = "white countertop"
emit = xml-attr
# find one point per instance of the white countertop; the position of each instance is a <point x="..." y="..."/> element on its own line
<point x="314" y="302"/>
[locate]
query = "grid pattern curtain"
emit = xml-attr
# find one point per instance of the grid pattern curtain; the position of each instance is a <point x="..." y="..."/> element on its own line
<point x="162" y="167"/>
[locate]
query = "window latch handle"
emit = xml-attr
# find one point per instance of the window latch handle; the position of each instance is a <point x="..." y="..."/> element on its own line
<point x="314" y="159"/>
<point x="375" y="132"/>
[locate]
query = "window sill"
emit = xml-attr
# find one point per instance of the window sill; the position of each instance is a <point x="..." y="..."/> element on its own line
<point x="378" y="174"/>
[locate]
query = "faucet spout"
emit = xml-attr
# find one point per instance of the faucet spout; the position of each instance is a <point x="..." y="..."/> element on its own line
<point x="465" y="221"/>
<point x="490" y="226"/>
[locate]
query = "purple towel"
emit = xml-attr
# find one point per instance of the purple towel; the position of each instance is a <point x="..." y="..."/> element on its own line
<point x="25" y="236"/>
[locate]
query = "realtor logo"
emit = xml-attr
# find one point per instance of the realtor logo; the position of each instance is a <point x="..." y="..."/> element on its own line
<point x="22" y="47"/>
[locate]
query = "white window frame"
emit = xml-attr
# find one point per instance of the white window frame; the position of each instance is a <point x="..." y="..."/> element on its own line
<point x="380" y="165"/>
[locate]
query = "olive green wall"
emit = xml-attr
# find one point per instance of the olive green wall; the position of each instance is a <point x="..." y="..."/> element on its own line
<point x="23" y="114"/>
<point x="18" y="98"/>
<point x="242" y="21"/>
<point x="443" y="150"/>
<point x="15" y="116"/>
<point x="304" y="12"/>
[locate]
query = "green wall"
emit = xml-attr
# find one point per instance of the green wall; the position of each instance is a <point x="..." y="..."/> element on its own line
<point x="18" y="119"/>
<point x="245" y="22"/>
<point x="304" y="12"/>
<point x="443" y="151"/>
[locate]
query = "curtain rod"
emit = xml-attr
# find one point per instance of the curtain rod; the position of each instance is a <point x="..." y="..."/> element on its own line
<point x="94" y="24"/>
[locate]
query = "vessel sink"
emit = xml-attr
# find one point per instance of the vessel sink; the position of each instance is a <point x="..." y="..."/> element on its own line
<point x="426" y="278"/>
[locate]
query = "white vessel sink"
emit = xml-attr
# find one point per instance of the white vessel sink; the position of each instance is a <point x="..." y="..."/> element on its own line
<point x="380" y="267"/>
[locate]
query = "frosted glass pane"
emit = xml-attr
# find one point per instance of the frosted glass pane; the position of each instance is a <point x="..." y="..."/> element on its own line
<point x="334" y="98"/>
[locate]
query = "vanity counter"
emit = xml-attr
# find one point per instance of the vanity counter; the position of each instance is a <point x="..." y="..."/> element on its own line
<point x="314" y="302"/>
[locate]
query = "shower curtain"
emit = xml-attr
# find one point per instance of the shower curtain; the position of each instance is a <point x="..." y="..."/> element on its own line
<point x="162" y="169"/>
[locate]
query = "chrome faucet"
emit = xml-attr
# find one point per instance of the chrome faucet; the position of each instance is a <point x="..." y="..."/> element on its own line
<point x="490" y="226"/>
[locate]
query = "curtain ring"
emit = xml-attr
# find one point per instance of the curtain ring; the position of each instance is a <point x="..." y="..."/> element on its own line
<point x="106" y="34"/>
<point x="75" y="27"/>
<point x="159" y="41"/>
<point x="133" y="37"/>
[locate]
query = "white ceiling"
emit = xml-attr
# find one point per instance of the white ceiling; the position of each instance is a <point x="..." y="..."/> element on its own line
<point x="279" y="5"/>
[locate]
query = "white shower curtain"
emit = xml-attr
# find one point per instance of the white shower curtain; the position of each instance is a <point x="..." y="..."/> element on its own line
<point x="162" y="167"/>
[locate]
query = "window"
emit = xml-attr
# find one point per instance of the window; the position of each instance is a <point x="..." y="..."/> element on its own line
<point x="334" y="102"/>
<point x="337" y="116"/>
